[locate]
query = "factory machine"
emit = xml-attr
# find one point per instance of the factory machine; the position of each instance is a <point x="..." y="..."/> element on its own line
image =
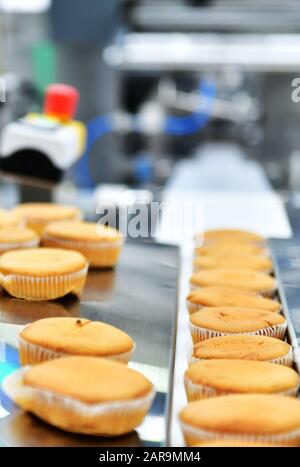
<point x="188" y="102"/>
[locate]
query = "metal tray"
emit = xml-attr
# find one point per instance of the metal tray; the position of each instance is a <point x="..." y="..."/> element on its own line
<point x="140" y="297"/>
<point x="286" y="261"/>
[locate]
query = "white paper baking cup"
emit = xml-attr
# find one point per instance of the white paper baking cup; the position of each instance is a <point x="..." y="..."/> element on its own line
<point x="197" y="391"/>
<point x="270" y="293"/>
<point x="105" y="419"/>
<point x="286" y="360"/>
<point x="31" y="354"/>
<point x="194" y="307"/>
<point x="98" y="254"/>
<point x="259" y="242"/>
<point x="265" y="251"/>
<point x="194" y="435"/>
<point x="18" y="245"/>
<point x="197" y="268"/>
<point x="44" y="288"/>
<point x="200" y="334"/>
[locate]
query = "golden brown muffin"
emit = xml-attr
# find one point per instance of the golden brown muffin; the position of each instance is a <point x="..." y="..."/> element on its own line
<point x="232" y="235"/>
<point x="219" y="321"/>
<point x="226" y="296"/>
<point x="14" y="238"/>
<point x="210" y="378"/>
<point x="42" y="273"/>
<point x="9" y="219"/>
<point x="101" y="245"/>
<point x="92" y="395"/>
<point x="251" y="281"/>
<point x="235" y="249"/>
<point x="247" y="417"/>
<point x="37" y="215"/>
<point x="251" y="263"/>
<point x="236" y="443"/>
<point x="246" y="347"/>
<point x="50" y="338"/>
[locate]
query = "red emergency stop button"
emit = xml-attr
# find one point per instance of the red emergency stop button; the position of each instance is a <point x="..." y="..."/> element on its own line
<point x="61" y="101"/>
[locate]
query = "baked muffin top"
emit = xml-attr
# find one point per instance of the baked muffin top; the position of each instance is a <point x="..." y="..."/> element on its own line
<point x="43" y="262"/>
<point x="230" y="249"/>
<point x="242" y="346"/>
<point x="88" y="379"/>
<point x="233" y="235"/>
<point x="46" y="212"/>
<point x="80" y="230"/>
<point x="226" y="296"/>
<point x="77" y="336"/>
<point x="235" y="320"/>
<point x="261" y="414"/>
<point x="14" y="234"/>
<point x="239" y="278"/>
<point x="243" y="376"/>
<point x="8" y="218"/>
<point x="253" y="262"/>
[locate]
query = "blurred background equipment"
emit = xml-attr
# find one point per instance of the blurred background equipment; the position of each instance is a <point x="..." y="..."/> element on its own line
<point x="44" y="145"/>
<point x="139" y="65"/>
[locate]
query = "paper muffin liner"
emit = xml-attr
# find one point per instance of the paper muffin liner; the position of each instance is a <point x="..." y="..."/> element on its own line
<point x="265" y="251"/>
<point x="31" y="354"/>
<point x="268" y="293"/>
<point x="286" y="360"/>
<point x="18" y="245"/>
<point x="194" y="307"/>
<point x="105" y="419"/>
<point x="200" y="334"/>
<point x="194" y="435"/>
<point x="262" y="242"/>
<point x="44" y="288"/>
<point x="201" y="268"/>
<point x="198" y="391"/>
<point x="99" y="254"/>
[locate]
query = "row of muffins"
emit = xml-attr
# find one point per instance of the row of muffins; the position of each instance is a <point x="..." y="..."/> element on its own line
<point x="240" y="368"/>
<point x="74" y="376"/>
<point x="69" y="247"/>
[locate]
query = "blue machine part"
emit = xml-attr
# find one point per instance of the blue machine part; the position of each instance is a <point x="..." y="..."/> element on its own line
<point x="195" y="122"/>
<point x="174" y="125"/>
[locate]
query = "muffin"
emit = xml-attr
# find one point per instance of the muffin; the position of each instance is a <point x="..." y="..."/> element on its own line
<point x="221" y="321"/>
<point x="230" y="249"/>
<point x="210" y="378"/>
<point x="37" y="215"/>
<point x="236" y="443"/>
<point x="226" y="296"/>
<point x="82" y="394"/>
<point x="15" y="238"/>
<point x="51" y="338"/>
<point x="101" y="245"/>
<point x="9" y="219"/>
<point x="232" y="235"/>
<point x="246" y="417"/>
<point x="244" y="347"/>
<point x="251" y="263"/>
<point x="42" y="273"/>
<point x="255" y="282"/>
